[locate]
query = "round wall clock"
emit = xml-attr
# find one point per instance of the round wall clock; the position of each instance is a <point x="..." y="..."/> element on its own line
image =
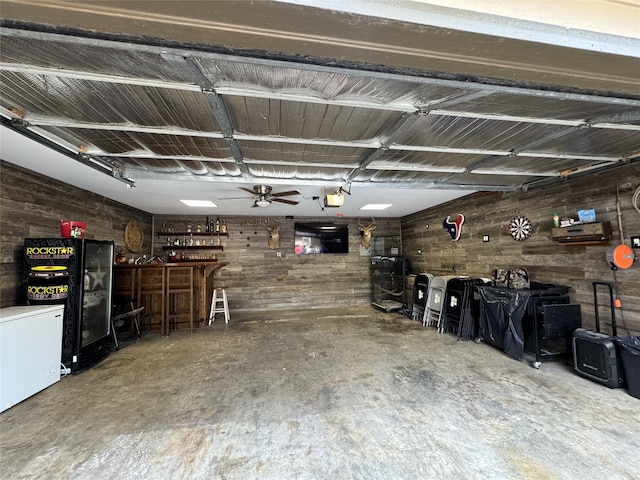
<point x="520" y="228"/>
<point x="133" y="236"/>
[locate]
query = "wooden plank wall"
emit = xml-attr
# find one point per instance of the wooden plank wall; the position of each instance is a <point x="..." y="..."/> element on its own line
<point x="547" y="261"/>
<point x="256" y="279"/>
<point x="31" y="205"/>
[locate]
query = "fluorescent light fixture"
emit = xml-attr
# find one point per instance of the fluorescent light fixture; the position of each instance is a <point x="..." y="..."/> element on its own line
<point x="376" y="206"/>
<point x="199" y="203"/>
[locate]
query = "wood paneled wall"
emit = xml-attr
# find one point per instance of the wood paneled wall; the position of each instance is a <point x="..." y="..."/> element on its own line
<point x="31" y="205"/>
<point x="547" y="261"/>
<point x="256" y="279"/>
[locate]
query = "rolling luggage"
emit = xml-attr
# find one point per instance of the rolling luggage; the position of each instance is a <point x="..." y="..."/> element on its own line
<point x="594" y="353"/>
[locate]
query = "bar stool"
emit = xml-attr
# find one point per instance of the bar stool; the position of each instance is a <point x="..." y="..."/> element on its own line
<point x="151" y="294"/>
<point x="118" y="316"/>
<point x="216" y="308"/>
<point x="179" y="299"/>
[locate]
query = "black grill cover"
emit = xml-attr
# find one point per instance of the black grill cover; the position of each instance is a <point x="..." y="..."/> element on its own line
<point x="501" y="312"/>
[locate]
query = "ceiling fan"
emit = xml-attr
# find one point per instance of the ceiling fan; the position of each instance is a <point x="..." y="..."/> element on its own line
<point x="264" y="197"/>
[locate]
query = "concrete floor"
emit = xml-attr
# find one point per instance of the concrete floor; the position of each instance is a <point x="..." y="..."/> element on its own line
<point x="355" y="394"/>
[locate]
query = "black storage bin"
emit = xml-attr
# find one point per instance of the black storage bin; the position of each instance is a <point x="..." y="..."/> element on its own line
<point x="630" y="354"/>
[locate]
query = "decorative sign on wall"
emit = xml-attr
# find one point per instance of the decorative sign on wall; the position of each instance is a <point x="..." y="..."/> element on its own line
<point x="520" y="228"/>
<point x="454" y="228"/>
<point x="133" y="236"/>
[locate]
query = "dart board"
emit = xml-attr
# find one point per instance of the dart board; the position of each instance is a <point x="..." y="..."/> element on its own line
<point x="520" y="228"/>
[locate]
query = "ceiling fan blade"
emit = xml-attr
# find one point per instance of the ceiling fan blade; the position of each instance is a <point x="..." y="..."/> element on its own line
<point x="282" y="200"/>
<point x="285" y="194"/>
<point x="250" y="190"/>
<point x="235" y="198"/>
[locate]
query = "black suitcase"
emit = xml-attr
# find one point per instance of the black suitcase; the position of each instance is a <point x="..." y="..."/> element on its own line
<point x="594" y="353"/>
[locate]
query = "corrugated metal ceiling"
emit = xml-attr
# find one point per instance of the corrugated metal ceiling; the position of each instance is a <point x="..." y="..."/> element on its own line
<point x="168" y="112"/>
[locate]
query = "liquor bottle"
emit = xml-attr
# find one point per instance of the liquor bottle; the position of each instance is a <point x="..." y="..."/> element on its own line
<point x="224" y="226"/>
<point x="206" y="226"/>
<point x="217" y="224"/>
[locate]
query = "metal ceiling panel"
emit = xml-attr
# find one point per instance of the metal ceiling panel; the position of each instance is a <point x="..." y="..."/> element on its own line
<point x="593" y="142"/>
<point x="316" y="82"/>
<point x="67" y="101"/>
<point x="401" y="178"/>
<point x="118" y="143"/>
<point x="472" y="133"/>
<point x="294" y="173"/>
<point x="302" y="154"/>
<point x="548" y="167"/>
<point x="411" y="160"/>
<point x="180" y="169"/>
<point x="499" y="182"/>
<point x="174" y="113"/>
<point x="72" y="54"/>
<point x="552" y="107"/>
<point x="97" y="142"/>
<point x="298" y="120"/>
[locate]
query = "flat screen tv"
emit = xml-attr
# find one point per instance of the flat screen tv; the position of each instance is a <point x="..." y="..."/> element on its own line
<point x="313" y="238"/>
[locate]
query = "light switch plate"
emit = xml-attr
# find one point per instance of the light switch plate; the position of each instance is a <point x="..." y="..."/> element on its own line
<point x="635" y="242"/>
<point x="485" y="238"/>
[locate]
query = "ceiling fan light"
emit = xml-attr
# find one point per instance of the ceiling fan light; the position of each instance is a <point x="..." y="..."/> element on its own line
<point x="263" y="203"/>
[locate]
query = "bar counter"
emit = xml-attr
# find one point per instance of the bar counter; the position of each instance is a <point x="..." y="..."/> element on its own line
<point x="168" y="291"/>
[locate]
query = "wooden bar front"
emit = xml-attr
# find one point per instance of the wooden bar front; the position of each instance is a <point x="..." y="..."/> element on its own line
<point x="150" y="285"/>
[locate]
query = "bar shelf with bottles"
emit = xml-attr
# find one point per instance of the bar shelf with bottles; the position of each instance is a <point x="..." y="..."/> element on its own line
<point x="186" y="239"/>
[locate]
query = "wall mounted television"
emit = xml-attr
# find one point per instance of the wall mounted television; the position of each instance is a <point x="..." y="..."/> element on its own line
<point x="311" y="238"/>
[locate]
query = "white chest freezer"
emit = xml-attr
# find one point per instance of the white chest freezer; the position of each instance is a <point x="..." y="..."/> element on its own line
<point x="30" y="351"/>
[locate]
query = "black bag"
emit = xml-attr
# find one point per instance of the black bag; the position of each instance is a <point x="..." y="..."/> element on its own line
<point x="511" y="278"/>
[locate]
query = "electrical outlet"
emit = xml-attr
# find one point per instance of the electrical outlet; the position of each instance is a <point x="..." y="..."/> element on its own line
<point x="279" y="254"/>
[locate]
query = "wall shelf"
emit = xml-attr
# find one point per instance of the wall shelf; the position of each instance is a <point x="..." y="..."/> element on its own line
<point x="195" y="234"/>
<point x="192" y="247"/>
<point x="582" y="234"/>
